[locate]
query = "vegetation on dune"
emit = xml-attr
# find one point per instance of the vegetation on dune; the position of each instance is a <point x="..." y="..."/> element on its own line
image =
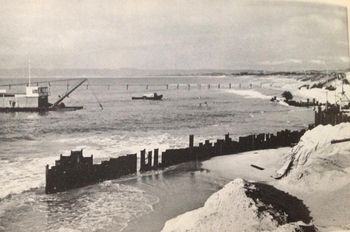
<point x="287" y="95"/>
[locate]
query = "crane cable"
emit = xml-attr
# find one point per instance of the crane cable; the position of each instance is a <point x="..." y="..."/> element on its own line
<point x="99" y="103"/>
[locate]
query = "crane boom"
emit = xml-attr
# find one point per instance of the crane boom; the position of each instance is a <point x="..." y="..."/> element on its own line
<point x="67" y="94"/>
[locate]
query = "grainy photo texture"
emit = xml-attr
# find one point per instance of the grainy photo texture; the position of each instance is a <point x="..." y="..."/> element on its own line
<point x="174" y="115"/>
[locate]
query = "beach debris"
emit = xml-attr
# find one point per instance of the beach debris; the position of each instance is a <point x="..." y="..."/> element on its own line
<point x="257" y="167"/>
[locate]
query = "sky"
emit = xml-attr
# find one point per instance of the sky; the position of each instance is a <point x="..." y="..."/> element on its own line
<point x="173" y="34"/>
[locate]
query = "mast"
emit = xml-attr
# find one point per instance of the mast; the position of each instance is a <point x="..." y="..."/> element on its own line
<point x="29" y="72"/>
<point x="347" y="34"/>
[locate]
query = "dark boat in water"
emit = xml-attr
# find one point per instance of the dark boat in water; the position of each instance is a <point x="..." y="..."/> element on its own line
<point x="145" y="97"/>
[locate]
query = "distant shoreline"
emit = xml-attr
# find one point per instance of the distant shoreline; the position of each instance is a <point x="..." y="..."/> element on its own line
<point x="136" y="73"/>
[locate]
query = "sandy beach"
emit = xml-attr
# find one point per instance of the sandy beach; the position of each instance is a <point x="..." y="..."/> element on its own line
<point x="315" y="172"/>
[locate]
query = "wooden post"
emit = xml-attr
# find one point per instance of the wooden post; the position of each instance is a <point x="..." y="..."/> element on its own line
<point x="220" y="147"/>
<point x="227" y="137"/>
<point x="146" y="86"/>
<point x="208" y="86"/>
<point x="191" y="141"/>
<point x="167" y="86"/>
<point x="47" y="180"/>
<point x="149" y="160"/>
<point x="229" y="86"/>
<point x="142" y="160"/>
<point x="177" y="86"/>
<point x="127" y="87"/>
<point x="218" y="86"/>
<point x="155" y="158"/>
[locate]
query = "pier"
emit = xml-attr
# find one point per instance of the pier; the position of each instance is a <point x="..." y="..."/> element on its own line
<point x="66" y="83"/>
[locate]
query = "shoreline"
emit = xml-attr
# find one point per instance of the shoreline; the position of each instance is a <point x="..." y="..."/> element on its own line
<point x="252" y="174"/>
<point x="327" y="205"/>
<point x="323" y="204"/>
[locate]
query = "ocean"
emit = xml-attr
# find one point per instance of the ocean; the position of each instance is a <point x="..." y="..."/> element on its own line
<point x="29" y="141"/>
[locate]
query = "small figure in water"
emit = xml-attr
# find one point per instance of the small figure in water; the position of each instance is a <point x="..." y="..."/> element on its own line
<point x="205" y="103"/>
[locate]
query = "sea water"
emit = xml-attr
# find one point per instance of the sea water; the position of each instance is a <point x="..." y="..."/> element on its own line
<point x="110" y="125"/>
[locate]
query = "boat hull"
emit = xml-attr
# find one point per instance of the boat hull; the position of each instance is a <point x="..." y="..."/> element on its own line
<point x="156" y="98"/>
<point x="34" y="109"/>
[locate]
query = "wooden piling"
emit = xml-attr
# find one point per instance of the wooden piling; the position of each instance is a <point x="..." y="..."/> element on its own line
<point x="149" y="160"/>
<point x="191" y="138"/>
<point x="142" y="160"/>
<point x="227" y="138"/>
<point x="155" y="158"/>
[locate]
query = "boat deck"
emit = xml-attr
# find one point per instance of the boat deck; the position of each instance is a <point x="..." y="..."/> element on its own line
<point x="31" y="109"/>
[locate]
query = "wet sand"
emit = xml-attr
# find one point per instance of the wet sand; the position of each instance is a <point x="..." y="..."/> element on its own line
<point x="187" y="186"/>
<point x="180" y="189"/>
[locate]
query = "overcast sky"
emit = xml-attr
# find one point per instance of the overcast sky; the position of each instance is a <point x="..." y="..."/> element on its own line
<point x="173" y="34"/>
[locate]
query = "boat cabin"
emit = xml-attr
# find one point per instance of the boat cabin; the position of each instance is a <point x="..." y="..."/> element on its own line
<point x="34" y="97"/>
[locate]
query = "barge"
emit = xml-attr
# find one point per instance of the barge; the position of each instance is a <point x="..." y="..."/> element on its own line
<point x="35" y="99"/>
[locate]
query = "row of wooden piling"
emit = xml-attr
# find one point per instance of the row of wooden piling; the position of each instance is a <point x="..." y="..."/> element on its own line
<point x="186" y="86"/>
<point x="224" y="147"/>
<point x="331" y="115"/>
<point x="308" y="103"/>
<point x="76" y="170"/>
